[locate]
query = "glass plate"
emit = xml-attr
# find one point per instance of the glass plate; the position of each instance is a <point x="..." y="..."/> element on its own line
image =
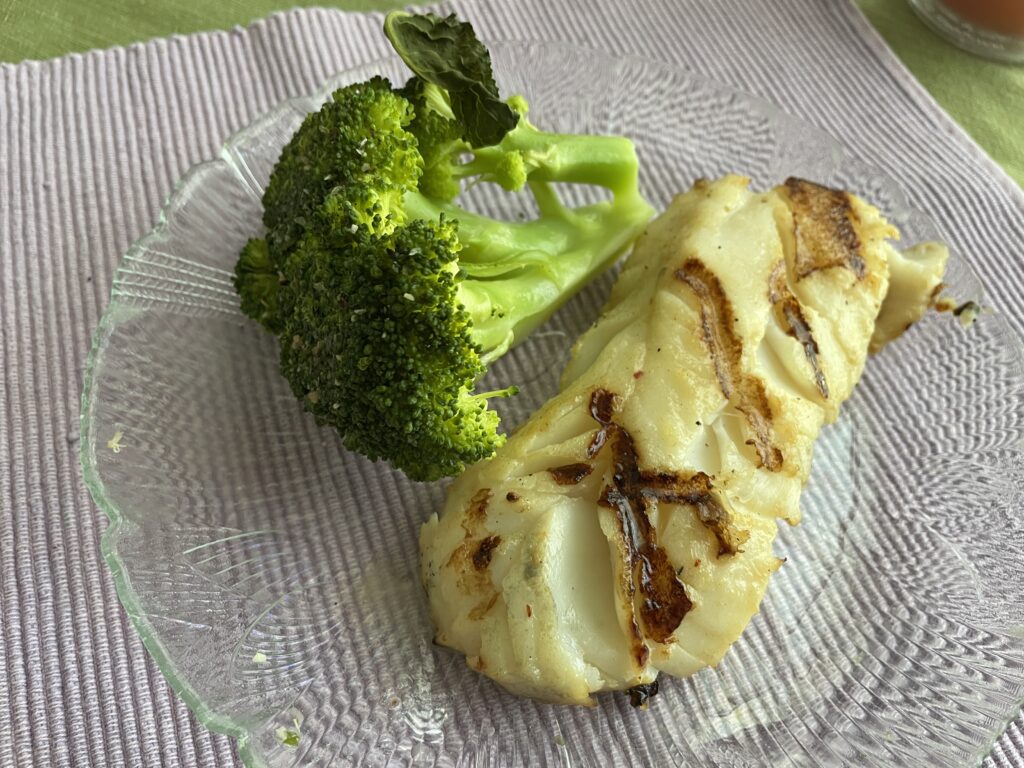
<point x="273" y="576"/>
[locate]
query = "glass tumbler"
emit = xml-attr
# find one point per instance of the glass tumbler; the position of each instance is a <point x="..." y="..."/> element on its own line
<point x="990" y="28"/>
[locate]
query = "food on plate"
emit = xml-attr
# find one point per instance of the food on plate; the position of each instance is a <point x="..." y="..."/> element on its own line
<point x="626" y="529"/>
<point x="389" y="298"/>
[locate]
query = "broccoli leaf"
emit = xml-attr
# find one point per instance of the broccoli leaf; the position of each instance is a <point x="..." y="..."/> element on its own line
<point x="447" y="53"/>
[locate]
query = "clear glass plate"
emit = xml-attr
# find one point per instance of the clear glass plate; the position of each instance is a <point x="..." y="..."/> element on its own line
<point x="273" y="576"/>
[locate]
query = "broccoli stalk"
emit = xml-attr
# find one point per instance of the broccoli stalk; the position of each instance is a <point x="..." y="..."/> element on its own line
<point x="515" y="274"/>
<point x="389" y="298"/>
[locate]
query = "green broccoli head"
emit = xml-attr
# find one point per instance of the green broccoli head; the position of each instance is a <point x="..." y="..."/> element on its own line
<point x="444" y="150"/>
<point x="388" y="297"/>
<point x="356" y="141"/>
<point x="438" y="139"/>
<point x="257" y="282"/>
<point x="378" y="347"/>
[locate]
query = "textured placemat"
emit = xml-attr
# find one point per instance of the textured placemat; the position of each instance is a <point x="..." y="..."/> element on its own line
<point x="91" y="144"/>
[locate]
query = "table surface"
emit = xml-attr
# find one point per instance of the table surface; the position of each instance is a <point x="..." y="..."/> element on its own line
<point x="981" y="95"/>
<point x="974" y="91"/>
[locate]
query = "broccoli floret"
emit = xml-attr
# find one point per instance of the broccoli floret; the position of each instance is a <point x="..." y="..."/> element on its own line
<point x="378" y="345"/>
<point x="260" y="279"/>
<point x="388" y="297"/>
<point x="438" y="138"/>
<point x="355" y="142"/>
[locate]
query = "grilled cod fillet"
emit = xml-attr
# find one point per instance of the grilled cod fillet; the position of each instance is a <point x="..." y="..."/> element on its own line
<point x="626" y="529"/>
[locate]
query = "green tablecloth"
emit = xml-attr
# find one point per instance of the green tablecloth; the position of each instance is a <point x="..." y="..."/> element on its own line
<point x="984" y="97"/>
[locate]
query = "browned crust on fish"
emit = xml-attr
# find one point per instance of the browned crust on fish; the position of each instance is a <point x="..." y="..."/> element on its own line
<point x="484" y="551"/>
<point x="697" y="491"/>
<point x="790" y="317"/>
<point x="481" y="610"/>
<point x="471" y="558"/>
<point x="745" y="391"/>
<point x="663" y="599"/>
<point x="824" y="228"/>
<point x="570" y="474"/>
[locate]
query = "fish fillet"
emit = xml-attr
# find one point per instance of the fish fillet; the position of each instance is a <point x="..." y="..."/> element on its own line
<point x="626" y="529"/>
